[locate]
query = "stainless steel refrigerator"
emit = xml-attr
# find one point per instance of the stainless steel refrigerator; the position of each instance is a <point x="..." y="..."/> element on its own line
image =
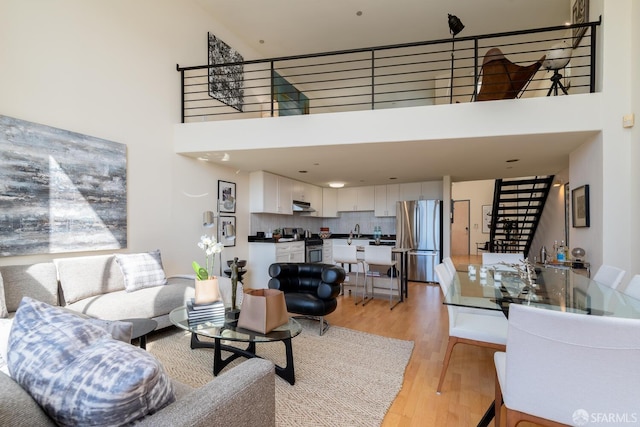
<point x="419" y="227"/>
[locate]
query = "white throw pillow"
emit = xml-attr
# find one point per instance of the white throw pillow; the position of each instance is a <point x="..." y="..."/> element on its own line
<point x="5" y="329"/>
<point x="143" y="270"/>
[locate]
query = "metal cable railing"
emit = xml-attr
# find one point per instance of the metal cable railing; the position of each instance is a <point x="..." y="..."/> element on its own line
<point x="405" y="75"/>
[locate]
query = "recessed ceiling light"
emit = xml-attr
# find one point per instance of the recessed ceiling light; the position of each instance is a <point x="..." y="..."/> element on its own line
<point x="513" y="160"/>
<point x="226" y="157"/>
<point x="261" y="41"/>
<point x="359" y="13"/>
<point x="302" y="171"/>
<point x="336" y="184"/>
<point x="393" y="177"/>
<point x="203" y="159"/>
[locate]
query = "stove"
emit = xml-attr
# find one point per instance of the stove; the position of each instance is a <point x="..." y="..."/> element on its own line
<point x="313" y="249"/>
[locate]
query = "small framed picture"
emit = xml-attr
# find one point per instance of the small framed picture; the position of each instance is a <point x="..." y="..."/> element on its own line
<point x="227" y="196"/>
<point x="580" y="206"/>
<point x="579" y="15"/>
<point x="228" y="230"/>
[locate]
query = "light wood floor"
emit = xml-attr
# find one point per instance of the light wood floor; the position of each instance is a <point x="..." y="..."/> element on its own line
<point x="469" y="385"/>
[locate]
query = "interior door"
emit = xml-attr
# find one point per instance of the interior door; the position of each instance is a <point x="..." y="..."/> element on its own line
<point x="460" y="228"/>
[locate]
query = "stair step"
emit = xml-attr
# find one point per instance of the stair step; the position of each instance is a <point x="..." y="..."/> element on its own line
<point x="530" y="181"/>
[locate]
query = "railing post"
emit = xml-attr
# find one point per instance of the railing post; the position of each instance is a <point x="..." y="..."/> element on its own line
<point x="181" y="93"/>
<point x="592" y="65"/>
<point x="373" y="79"/>
<point x="476" y="75"/>
<point x="272" y="95"/>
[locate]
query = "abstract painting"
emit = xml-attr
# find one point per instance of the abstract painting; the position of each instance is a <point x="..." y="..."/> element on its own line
<point x="226" y="82"/>
<point x="60" y="191"/>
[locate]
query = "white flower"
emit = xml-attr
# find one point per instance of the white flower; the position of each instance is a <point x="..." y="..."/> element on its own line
<point x="211" y="247"/>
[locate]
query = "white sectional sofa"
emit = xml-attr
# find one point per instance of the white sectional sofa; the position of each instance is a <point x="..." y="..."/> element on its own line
<point x="95" y="286"/>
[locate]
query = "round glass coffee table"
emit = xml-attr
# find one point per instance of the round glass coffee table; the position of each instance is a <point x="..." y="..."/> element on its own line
<point x="229" y="331"/>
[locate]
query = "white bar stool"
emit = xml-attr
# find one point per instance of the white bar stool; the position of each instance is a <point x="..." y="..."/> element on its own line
<point x="343" y="254"/>
<point x="382" y="256"/>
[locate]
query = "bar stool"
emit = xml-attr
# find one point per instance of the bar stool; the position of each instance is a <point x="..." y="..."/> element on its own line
<point x="343" y="254"/>
<point x="382" y="256"/>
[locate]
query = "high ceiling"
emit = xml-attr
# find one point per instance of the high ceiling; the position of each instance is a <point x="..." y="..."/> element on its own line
<point x="278" y="28"/>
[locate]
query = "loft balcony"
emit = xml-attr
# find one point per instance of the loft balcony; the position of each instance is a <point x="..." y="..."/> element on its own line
<point x="446" y="71"/>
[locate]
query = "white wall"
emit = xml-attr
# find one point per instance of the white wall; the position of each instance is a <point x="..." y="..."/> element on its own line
<point x="552" y="226"/>
<point x="479" y="193"/>
<point x="108" y="69"/>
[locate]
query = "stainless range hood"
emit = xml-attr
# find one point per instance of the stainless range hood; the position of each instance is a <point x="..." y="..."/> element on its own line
<point x="299" y="206"/>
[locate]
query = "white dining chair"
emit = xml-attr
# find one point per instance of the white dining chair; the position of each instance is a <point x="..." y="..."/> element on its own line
<point x="609" y="275"/>
<point x="382" y="256"/>
<point x="348" y="254"/>
<point x="633" y="287"/>
<point x="560" y="367"/>
<point x="466" y="327"/>
<point x="448" y="262"/>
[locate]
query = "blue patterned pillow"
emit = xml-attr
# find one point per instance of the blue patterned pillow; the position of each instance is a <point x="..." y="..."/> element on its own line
<point x="79" y="374"/>
<point x="143" y="270"/>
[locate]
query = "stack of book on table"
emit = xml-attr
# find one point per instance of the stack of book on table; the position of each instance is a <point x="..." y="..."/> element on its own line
<point x="211" y="314"/>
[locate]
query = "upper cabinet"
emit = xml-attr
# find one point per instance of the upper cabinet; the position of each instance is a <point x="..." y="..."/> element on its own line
<point x="275" y="194"/>
<point x="386" y="197"/>
<point x="270" y="193"/>
<point x="427" y="190"/>
<point x="330" y="202"/>
<point x="356" y="199"/>
<point x="309" y="193"/>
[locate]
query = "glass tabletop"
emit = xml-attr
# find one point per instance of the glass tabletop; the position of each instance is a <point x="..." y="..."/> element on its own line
<point x="554" y="289"/>
<point x="230" y="331"/>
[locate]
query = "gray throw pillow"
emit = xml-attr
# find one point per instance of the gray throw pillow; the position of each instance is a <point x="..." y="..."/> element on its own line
<point x="142" y="270"/>
<point x="80" y="375"/>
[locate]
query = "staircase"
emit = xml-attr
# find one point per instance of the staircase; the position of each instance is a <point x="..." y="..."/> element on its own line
<point x="517" y="207"/>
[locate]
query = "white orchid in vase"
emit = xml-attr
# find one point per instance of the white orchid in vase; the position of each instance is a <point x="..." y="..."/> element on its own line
<point x="211" y="248"/>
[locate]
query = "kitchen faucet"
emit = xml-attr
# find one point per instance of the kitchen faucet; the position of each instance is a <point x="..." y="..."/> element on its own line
<point x="357" y="230"/>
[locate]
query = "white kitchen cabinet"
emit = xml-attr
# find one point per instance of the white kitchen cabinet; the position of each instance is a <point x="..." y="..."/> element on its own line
<point x="311" y="194"/>
<point x="262" y="255"/>
<point x="386" y="197"/>
<point x="327" y="251"/>
<point x="353" y="199"/>
<point x="427" y="190"/>
<point x="270" y="193"/>
<point x="329" y="203"/>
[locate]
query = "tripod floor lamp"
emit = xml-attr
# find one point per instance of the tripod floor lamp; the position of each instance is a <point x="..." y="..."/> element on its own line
<point x="455" y="26"/>
<point x="557" y="58"/>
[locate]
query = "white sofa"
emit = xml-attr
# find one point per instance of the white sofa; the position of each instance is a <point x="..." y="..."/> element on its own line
<point x="95" y="286"/>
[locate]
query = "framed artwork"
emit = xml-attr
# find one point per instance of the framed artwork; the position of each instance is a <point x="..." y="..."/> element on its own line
<point x="486" y="219"/>
<point x="580" y="206"/>
<point x="579" y="15"/>
<point x="228" y="230"/>
<point x="226" y="82"/>
<point x="227" y="196"/>
<point x="56" y="197"/>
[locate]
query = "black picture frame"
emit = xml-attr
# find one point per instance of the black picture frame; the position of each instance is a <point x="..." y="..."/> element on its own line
<point x="580" y="206"/>
<point x="579" y="15"/>
<point x="224" y="221"/>
<point x="486" y="219"/>
<point x="226" y="191"/>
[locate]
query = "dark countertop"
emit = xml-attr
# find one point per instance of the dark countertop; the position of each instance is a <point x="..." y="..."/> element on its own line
<point x="333" y="236"/>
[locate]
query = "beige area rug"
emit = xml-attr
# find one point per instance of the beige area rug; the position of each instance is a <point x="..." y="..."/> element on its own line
<point x="343" y="378"/>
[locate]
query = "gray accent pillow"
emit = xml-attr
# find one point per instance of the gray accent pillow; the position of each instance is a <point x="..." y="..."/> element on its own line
<point x="142" y="270"/>
<point x="84" y="277"/>
<point x="3" y="303"/>
<point x="79" y="374"/>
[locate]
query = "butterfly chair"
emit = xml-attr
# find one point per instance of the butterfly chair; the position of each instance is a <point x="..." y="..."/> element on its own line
<point x="469" y="327"/>
<point x="559" y="368"/>
<point x="609" y="276"/>
<point x="501" y="78"/>
<point x="348" y="254"/>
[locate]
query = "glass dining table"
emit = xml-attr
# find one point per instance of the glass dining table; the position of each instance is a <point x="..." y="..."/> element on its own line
<point x="552" y="289"/>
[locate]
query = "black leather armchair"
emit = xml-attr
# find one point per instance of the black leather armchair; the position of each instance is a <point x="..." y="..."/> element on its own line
<point x="310" y="290"/>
